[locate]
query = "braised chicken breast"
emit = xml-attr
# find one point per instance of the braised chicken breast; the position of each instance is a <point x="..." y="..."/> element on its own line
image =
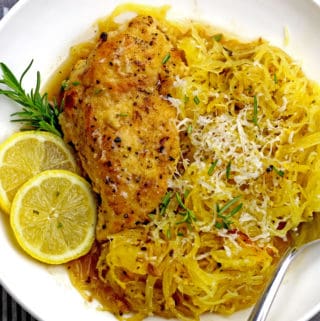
<point x="119" y="118"/>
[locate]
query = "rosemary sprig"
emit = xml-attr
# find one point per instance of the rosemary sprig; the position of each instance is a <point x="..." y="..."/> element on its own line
<point x="37" y="112"/>
<point x="212" y="167"/>
<point x="225" y="221"/>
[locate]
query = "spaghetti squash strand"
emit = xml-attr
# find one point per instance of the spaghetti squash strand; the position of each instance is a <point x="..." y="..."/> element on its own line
<point x="248" y="176"/>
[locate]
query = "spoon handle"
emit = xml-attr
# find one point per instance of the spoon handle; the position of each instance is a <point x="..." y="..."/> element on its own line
<point x="262" y="307"/>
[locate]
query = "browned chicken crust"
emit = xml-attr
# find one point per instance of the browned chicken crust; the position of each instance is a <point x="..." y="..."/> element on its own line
<point x="118" y="117"/>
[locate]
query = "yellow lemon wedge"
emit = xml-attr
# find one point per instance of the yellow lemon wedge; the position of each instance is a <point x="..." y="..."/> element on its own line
<point x="53" y="216"/>
<point x="25" y="154"/>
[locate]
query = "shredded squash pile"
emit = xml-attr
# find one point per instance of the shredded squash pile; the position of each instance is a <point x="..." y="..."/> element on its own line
<point x="249" y="174"/>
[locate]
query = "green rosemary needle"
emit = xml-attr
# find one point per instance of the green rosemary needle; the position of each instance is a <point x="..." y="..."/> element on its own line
<point x="166" y="58"/>
<point x="37" y="112"/>
<point x="188" y="215"/>
<point x="212" y="167"/>
<point x="165" y="202"/>
<point x="224" y="219"/>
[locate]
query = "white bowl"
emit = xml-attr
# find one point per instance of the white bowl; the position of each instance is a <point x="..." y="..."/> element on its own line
<point x="44" y="31"/>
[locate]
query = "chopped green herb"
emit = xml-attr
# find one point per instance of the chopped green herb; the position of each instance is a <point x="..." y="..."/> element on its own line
<point x="188" y="215"/>
<point x="219" y="225"/>
<point x="189" y="129"/>
<point x="168" y="233"/>
<point x="275" y="78"/>
<point x="212" y="167"/>
<point x="186" y="193"/>
<point x="59" y="225"/>
<point x="98" y="91"/>
<point x="235" y="210"/>
<point x="225" y="221"/>
<point x="65" y="84"/>
<point x="227" y="205"/>
<point x="186" y="99"/>
<point x="217" y="37"/>
<point x="122" y="115"/>
<point x="178" y="197"/>
<point x="76" y="83"/>
<point x="166" y="58"/>
<point x="196" y="100"/>
<point x="165" y="202"/>
<point x="180" y="234"/>
<point x="255" y="110"/>
<point x="228" y="170"/>
<point x="278" y="171"/>
<point x="151" y="216"/>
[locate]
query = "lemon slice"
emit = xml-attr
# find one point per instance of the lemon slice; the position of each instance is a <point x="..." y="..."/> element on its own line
<point x="53" y="216"/>
<point x="26" y="154"/>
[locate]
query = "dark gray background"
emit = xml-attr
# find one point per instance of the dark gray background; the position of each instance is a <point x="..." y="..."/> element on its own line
<point x="9" y="309"/>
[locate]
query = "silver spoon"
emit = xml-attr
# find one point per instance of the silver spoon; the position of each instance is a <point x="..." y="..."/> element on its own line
<point x="309" y="235"/>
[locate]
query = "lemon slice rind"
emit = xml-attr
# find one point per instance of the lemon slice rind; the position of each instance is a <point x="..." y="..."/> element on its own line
<point x="11" y="159"/>
<point x="48" y="234"/>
